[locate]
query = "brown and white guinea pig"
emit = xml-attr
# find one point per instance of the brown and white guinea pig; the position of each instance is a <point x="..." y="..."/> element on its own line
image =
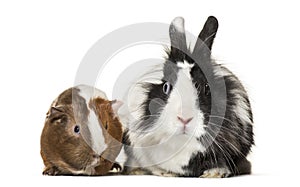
<point x="82" y="134"/>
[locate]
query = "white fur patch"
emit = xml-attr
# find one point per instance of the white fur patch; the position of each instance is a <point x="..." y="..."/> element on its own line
<point x="241" y="107"/>
<point x="185" y="67"/>
<point x="98" y="142"/>
<point x="169" y="145"/>
<point x="97" y="137"/>
<point x="162" y="155"/>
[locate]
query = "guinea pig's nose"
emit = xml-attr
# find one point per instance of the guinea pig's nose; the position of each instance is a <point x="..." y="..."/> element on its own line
<point x="96" y="156"/>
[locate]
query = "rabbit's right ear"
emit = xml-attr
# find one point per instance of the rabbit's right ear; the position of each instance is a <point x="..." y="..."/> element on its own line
<point x="178" y="39"/>
<point x="206" y="36"/>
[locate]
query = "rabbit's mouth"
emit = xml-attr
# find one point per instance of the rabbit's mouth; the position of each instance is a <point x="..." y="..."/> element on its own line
<point x="185" y="131"/>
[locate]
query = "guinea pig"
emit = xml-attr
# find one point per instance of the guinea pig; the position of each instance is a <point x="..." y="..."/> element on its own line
<point x="82" y="134"/>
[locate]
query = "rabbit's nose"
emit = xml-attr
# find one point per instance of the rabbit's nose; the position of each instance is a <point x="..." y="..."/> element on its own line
<point x="184" y="121"/>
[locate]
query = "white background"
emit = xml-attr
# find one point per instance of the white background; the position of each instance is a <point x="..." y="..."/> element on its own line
<point x="43" y="43"/>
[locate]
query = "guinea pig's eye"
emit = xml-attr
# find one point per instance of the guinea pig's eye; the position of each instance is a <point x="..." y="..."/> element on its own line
<point x="105" y="126"/>
<point x="77" y="129"/>
<point x="206" y="89"/>
<point x="167" y="88"/>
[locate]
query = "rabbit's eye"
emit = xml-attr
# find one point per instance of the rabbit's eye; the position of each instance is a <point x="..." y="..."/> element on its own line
<point x="77" y="129"/>
<point x="167" y="88"/>
<point x="206" y="89"/>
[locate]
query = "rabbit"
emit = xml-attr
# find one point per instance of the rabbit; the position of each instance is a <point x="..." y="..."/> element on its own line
<point x="197" y="120"/>
<point x="82" y="134"/>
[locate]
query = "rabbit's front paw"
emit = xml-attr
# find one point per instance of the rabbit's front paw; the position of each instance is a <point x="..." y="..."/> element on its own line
<point x="139" y="171"/>
<point x="164" y="174"/>
<point x="216" y="173"/>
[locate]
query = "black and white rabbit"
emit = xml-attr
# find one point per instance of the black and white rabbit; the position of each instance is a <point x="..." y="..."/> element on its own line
<point x="197" y="120"/>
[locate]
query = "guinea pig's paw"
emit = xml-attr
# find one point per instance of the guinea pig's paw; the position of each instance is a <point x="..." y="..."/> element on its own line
<point x="116" y="167"/>
<point x="216" y="173"/>
<point x="164" y="174"/>
<point x="139" y="171"/>
<point x="50" y="171"/>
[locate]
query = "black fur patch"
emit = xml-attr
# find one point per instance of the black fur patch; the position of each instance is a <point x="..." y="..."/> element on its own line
<point x="156" y="98"/>
<point x="233" y="140"/>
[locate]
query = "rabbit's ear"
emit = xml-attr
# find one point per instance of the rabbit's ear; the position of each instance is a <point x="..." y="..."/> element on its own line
<point x="178" y="38"/>
<point x="206" y="35"/>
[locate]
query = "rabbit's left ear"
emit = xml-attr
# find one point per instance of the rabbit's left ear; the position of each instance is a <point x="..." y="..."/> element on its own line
<point x="178" y="39"/>
<point x="206" y="36"/>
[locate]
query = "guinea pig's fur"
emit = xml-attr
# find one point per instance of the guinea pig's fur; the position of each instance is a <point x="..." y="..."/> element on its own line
<point x="81" y="134"/>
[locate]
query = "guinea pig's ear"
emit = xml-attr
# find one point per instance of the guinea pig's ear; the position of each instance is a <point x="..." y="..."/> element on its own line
<point x="55" y="110"/>
<point x="57" y="113"/>
<point x="207" y="35"/>
<point x="115" y="105"/>
<point x="178" y="39"/>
